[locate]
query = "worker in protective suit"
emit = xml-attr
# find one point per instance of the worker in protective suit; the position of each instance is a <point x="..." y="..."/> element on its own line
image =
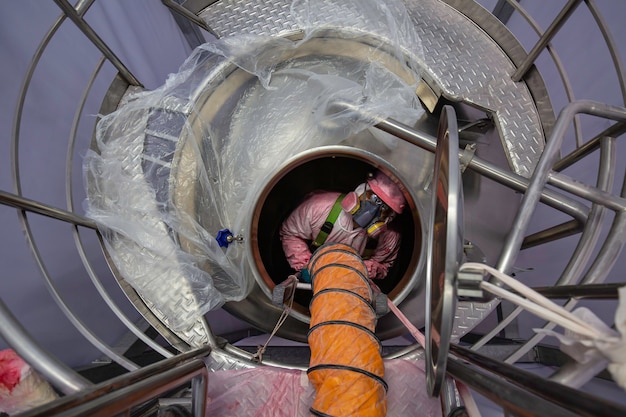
<point x="359" y="219"/>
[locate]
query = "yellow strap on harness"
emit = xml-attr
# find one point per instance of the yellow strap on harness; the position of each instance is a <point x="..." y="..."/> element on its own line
<point x="328" y="225"/>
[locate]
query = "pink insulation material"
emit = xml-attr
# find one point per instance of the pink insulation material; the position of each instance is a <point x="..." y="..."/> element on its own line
<point x="21" y="388"/>
<point x="276" y="392"/>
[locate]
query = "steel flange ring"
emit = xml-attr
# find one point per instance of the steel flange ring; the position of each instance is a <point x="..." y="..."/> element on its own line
<point x="445" y="250"/>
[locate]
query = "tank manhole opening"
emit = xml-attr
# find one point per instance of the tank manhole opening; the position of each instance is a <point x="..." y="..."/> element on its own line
<point x="325" y="172"/>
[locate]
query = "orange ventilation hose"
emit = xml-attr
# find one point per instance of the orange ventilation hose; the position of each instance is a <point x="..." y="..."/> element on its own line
<point x="346" y="366"/>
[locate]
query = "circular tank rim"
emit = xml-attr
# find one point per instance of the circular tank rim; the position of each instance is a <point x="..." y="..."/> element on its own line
<point x="415" y="272"/>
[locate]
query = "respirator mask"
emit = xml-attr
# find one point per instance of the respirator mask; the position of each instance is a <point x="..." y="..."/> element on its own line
<point x="368" y="210"/>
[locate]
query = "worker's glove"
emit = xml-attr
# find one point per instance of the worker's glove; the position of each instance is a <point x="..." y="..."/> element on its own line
<point x="304" y="275"/>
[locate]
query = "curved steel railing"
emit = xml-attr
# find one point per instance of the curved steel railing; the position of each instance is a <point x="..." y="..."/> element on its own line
<point x="119" y="395"/>
<point x="24" y="204"/>
<point x="573" y="272"/>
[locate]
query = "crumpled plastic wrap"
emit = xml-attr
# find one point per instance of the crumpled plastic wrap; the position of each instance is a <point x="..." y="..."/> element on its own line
<point x="169" y="170"/>
<point x="274" y="392"/>
<point x="597" y="353"/>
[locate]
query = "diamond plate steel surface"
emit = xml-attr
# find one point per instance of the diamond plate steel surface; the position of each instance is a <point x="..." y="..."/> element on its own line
<point x="462" y="60"/>
<point x="468" y="315"/>
<point x="269" y="391"/>
<point x="223" y="361"/>
<point x="129" y="257"/>
<point x="469" y="65"/>
<point x="259" y="17"/>
<point x="195" y="335"/>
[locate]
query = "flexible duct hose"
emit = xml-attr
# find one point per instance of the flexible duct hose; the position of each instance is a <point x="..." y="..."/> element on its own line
<point x="346" y="366"/>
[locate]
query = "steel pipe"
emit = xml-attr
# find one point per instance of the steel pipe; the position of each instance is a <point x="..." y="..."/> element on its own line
<point x="58" y="374"/>
<point x="87" y="30"/>
<point x="512" y="398"/>
<point x="540" y="177"/>
<point x="587" y="192"/>
<point x="551" y="234"/>
<point x="516" y="182"/>
<point x="576" y="401"/>
<point x="33" y="206"/>
<point x="545" y="39"/>
<point x="593" y="291"/>
<point x="181" y="10"/>
<point x="120" y="399"/>
<point x="183" y="367"/>
<point x="614" y="131"/>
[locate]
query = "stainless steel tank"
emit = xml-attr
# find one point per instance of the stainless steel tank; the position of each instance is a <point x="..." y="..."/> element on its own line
<point x="226" y="98"/>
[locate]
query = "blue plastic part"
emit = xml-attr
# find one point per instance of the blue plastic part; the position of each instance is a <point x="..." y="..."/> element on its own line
<point x="305" y="275"/>
<point x="222" y="238"/>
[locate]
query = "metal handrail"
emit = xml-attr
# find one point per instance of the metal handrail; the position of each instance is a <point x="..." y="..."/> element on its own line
<point x="576" y="265"/>
<point x="597" y="273"/>
<point x="569" y="91"/>
<point x="558" y="22"/>
<point x="591" y="291"/>
<point x="80" y="23"/>
<point x="184" y="12"/>
<point x="24" y="204"/>
<point x="120" y="394"/>
<point x="571" y="227"/>
<point x="583" y="252"/>
<point x="542" y="174"/>
<point x="60" y="376"/>
<point x="69" y="197"/>
<point x="511" y="398"/>
<point x="578" y="402"/>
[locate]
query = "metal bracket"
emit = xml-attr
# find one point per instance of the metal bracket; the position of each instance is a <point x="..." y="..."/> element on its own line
<point x="467" y="156"/>
<point x="468" y="286"/>
<point x="468" y="282"/>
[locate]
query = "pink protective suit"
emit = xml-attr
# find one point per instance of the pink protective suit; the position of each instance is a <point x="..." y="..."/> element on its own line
<point x="304" y="223"/>
<point x="21" y="388"/>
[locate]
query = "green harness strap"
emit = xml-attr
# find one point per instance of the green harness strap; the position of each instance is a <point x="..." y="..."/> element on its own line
<point x="327" y="227"/>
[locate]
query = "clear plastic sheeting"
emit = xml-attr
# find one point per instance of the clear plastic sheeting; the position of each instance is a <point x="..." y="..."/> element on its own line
<point x="174" y="166"/>
<point x="596" y="353"/>
<point x="275" y="392"/>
